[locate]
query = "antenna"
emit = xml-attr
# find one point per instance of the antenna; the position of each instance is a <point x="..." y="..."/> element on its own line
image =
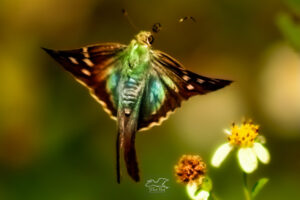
<point x="125" y="13"/>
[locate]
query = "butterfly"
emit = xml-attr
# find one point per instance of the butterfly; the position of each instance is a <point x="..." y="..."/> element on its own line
<point x="136" y="85"/>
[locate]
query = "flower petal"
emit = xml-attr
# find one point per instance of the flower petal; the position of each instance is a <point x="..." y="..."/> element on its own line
<point x="220" y="154"/>
<point x="261" y="152"/>
<point x="202" y="195"/>
<point x="247" y="159"/>
<point x="191" y="189"/>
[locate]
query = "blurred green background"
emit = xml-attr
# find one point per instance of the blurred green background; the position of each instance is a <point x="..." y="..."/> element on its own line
<point x="56" y="142"/>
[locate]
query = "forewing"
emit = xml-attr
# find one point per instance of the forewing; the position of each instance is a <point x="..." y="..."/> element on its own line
<point x="168" y="84"/>
<point x="98" y="68"/>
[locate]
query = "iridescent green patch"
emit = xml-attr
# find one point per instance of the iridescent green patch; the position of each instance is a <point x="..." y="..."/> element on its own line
<point x="112" y="87"/>
<point x="156" y="95"/>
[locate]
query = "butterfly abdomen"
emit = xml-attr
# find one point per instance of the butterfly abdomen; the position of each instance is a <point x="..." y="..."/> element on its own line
<point x="131" y="90"/>
<point x="130" y="93"/>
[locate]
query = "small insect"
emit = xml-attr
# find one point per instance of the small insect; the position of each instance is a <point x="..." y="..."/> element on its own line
<point x="136" y="85"/>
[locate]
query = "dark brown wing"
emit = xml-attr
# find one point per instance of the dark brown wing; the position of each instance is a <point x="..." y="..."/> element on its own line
<point x="93" y="66"/>
<point x="176" y="84"/>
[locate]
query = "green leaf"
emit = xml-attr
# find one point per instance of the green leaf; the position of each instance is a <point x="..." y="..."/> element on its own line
<point x="258" y="186"/>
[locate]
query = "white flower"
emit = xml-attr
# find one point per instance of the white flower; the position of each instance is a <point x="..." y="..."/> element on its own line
<point x="249" y="149"/>
<point x="193" y="194"/>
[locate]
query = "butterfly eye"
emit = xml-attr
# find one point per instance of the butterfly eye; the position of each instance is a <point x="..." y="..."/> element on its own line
<point x="150" y="39"/>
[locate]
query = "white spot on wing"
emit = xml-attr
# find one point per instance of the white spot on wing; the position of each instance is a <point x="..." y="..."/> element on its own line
<point x="85" y="52"/>
<point x="200" y="80"/>
<point x="73" y="60"/>
<point x="186" y="78"/>
<point x="190" y="87"/>
<point x="86" y="72"/>
<point x="88" y="62"/>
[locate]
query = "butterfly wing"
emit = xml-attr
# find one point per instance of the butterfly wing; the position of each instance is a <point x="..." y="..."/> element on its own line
<point x="168" y="85"/>
<point x="98" y="68"/>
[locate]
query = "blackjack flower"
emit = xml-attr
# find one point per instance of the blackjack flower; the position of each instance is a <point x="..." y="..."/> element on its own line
<point x="245" y="138"/>
<point x="191" y="170"/>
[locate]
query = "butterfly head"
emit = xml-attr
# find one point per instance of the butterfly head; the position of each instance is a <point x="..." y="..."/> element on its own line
<point x="145" y="38"/>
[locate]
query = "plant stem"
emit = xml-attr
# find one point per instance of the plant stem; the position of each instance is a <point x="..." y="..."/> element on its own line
<point x="214" y="197"/>
<point x="246" y="190"/>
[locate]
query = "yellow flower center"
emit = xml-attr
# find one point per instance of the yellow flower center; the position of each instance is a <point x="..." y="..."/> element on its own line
<point x="243" y="135"/>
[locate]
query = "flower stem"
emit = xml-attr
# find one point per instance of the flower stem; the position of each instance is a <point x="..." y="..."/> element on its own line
<point x="214" y="197"/>
<point x="246" y="190"/>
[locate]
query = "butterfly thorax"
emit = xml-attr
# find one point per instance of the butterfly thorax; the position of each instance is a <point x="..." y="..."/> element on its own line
<point x="137" y="54"/>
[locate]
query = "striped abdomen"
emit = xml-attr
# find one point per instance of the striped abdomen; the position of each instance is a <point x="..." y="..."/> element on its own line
<point x="130" y="94"/>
